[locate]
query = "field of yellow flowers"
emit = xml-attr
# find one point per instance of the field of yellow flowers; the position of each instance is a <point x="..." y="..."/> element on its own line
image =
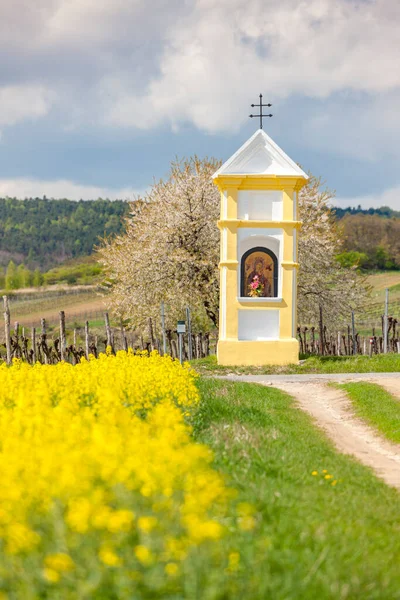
<point x="104" y="493"/>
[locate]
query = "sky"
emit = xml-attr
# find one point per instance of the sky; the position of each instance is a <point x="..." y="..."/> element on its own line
<point x="98" y="96"/>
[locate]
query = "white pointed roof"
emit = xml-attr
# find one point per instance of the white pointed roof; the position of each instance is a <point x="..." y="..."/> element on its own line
<point x="260" y="156"/>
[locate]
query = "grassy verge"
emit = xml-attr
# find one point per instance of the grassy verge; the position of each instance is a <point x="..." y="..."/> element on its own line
<point x="313" y="539"/>
<point x="384" y="363"/>
<point x="376" y="406"/>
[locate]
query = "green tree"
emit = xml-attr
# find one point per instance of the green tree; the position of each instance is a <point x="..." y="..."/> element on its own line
<point x="37" y="279"/>
<point x="24" y="276"/>
<point x="12" y="278"/>
<point x="353" y="259"/>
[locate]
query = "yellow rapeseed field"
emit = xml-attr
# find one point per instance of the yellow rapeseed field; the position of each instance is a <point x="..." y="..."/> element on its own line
<point x="102" y="486"/>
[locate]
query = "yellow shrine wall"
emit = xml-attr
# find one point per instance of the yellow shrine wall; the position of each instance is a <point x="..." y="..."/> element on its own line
<point x="284" y="349"/>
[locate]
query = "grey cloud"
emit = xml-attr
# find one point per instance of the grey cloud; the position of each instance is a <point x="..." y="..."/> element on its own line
<point x="139" y="64"/>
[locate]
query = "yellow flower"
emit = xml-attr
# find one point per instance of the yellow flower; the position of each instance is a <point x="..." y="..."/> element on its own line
<point x="89" y="450"/>
<point x="147" y="524"/>
<point x="143" y="555"/>
<point x="120" y="520"/>
<point x="234" y="560"/>
<point x="245" y="509"/>
<point x="334" y="482"/>
<point x="59" y="562"/>
<point x="314" y="473"/>
<point x="109" y="558"/>
<point x="171" y="569"/>
<point x="328" y="476"/>
<point x="247" y="523"/>
<point x="20" y="538"/>
<point x="51" y="575"/>
<point x="324" y="471"/>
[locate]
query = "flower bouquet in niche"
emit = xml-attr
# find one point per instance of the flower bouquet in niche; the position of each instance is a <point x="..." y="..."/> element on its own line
<point x="256" y="288"/>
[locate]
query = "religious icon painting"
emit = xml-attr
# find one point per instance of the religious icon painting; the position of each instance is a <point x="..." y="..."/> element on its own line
<point x="259" y="274"/>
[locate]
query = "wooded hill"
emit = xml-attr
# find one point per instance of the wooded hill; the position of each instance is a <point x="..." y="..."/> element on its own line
<point x="42" y="233"/>
<point x="383" y="211"/>
<point x="371" y="237"/>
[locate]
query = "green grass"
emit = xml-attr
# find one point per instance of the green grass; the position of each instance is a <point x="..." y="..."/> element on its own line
<point x="312" y="540"/>
<point x="383" y="363"/>
<point x="370" y="314"/>
<point x="82" y="271"/>
<point x="377" y="406"/>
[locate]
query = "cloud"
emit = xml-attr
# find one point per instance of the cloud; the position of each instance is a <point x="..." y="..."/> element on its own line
<point x="220" y="55"/>
<point x="31" y="188"/>
<point x="355" y="125"/>
<point x="124" y="64"/>
<point x="113" y="70"/>
<point x="389" y="197"/>
<point x="21" y="102"/>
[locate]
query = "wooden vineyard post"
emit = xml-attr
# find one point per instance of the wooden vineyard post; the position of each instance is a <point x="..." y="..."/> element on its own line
<point x="124" y="340"/>
<point x="163" y="328"/>
<point x="312" y="340"/>
<point x="321" y="332"/>
<point x="353" y="332"/>
<point x="7" y="320"/>
<point x="151" y="334"/>
<point x="43" y="326"/>
<point x="169" y="338"/>
<point x="62" y="335"/>
<point x="206" y="344"/>
<point x="305" y="329"/>
<point x="16" y="333"/>
<point x="108" y="329"/>
<point x="87" y="340"/>
<point x="300" y="340"/>
<point x="189" y="333"/>
<point x="33" y="334"/>
<point x="385" y="322"/>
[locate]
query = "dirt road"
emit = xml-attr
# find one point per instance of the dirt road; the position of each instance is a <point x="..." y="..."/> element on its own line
<point x="332" y="411"/>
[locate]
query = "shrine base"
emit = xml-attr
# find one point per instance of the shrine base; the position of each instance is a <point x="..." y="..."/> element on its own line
<point x="247" y="353"/>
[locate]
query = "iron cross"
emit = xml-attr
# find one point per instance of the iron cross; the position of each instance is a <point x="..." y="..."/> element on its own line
<point x="260" y="105"/>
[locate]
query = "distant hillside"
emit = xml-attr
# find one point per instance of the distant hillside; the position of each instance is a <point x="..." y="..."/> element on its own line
<point x="42" y="233"/>
<point x="371" y="237"/>
<point x="383" y="211"/>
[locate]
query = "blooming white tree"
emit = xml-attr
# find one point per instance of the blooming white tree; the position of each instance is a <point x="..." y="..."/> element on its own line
<point x="170" y="252"/>
<point x="323" y="282"/>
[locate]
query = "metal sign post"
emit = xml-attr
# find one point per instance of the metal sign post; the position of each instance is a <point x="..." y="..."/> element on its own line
<point x="180" y="330"/>
<point x="189" y="325"/>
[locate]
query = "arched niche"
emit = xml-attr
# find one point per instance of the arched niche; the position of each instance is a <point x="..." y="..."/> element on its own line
<point x="259" y="262"/>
